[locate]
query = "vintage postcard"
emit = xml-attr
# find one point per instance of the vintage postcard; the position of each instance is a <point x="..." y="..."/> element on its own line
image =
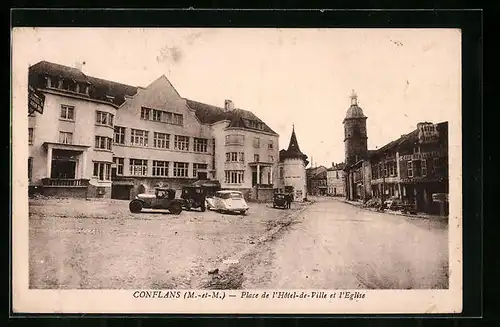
<point x="219" y="170"/>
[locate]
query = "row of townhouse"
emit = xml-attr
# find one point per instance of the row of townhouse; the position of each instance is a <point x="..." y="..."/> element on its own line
<point x="317" y="180"/>
<point x="335" y="180"/>
<point x="326" y="181"/>
<point x="412" y="168"/>
<point x="97" y="138"/>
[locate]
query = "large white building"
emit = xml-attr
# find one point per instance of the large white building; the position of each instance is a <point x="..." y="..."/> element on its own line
<point x="97" y="138"/>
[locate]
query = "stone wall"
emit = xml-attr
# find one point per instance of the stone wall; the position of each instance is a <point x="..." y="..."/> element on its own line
<point x="64" y="192"/>
<point x="99" y="192"/>
<point x="261" y="195"/>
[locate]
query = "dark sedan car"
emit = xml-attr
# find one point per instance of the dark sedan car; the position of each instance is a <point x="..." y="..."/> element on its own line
<point x="281" y="200"/>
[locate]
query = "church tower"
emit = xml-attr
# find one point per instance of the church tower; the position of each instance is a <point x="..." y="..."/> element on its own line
<point x="355" y="135"/>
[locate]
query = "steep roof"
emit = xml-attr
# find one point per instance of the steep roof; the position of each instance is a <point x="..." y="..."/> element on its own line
<point x="354" y="111"/>
<point x="209" y="114"/>
<point x="410" y="138"/>
<point x="293" y="151"/>
<point x="99" y="88"/>
<point x="320" y="175"/>
<point x="52" y="69"/>
<point x="316" y="172"/>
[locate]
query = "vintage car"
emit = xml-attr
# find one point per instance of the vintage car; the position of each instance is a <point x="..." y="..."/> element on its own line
<point x="280" y="200"/>
<point x="393" y="204"/>
<point x="396" y="204"/>
<point x="229" y="201"/>
<point x="162" y="199"/>
<point x="194" y="198"/>
<point x="210" y="186"/>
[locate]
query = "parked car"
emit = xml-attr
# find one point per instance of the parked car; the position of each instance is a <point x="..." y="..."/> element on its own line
<point x="396" y="204"/>
<point x="393" y="204"/>
<point x="162" y="199"/>
<point x="280" y="200"/>
<point x="210" y="186"/>
<point x="229" y="201"/>
<point x="194" y="198"/>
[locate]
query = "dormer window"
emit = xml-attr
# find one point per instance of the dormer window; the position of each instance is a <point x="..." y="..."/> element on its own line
<point x="255" y="124"/>
<point x="72" y="85"/>
<point x="48" y="81"/>
<point x="110" y="98"/>
<point x="60" y="82"/>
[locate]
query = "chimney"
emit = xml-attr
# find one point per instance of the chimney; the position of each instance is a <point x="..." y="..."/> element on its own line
<point x="79" y="65"/>
<point x="228" y="105"/>
<point x="333" y="164"/>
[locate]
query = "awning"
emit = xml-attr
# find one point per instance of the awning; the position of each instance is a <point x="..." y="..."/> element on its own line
<point x="64" y="146"/>
<point x="207" y="183"/>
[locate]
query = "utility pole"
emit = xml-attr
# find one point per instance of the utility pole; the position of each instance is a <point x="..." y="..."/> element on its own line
<point x="383" y="187"/>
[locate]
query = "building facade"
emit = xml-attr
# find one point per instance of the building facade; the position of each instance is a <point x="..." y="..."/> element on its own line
<point x="335" y="180"/>
<point x="292" y="170"/>
<point x="317" y="180"/>
<point x="98" y="138"/>
<point x="413" y="168"/>
<point x="245" y="149"/>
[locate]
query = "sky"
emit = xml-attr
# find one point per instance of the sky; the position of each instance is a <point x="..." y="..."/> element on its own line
<point x="300" y="77"/>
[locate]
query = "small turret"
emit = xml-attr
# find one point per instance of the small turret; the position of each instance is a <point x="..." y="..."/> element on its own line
<point x="293" y="163"/>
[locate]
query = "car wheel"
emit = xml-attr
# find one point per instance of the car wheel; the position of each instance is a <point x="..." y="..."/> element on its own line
<point x="135" y="206"/>
<point x="175" y="208"/>
<point x="203" y="209"/>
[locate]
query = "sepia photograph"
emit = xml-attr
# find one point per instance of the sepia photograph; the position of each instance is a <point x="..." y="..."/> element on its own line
<point x="237" y="170"/>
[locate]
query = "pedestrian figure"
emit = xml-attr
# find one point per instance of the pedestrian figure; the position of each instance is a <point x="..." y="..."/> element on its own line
<point x="288" y="201"/>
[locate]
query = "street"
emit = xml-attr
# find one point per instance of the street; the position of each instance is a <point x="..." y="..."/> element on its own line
<point x="329" y="244"/>
<point x="338" y="246"/>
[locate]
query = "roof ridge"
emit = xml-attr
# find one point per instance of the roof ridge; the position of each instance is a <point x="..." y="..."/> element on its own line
<point x="101" y="87"/>
<point x="209" y="113"/>
<point x="76" y="70"/>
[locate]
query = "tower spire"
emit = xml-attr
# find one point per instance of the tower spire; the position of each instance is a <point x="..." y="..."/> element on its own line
<point x="293" y="150"/>
<point x="354" y="98"/>
<point x="293" y="141"/>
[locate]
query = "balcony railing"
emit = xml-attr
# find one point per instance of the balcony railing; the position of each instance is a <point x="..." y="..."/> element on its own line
<point x="65" y="182"/>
